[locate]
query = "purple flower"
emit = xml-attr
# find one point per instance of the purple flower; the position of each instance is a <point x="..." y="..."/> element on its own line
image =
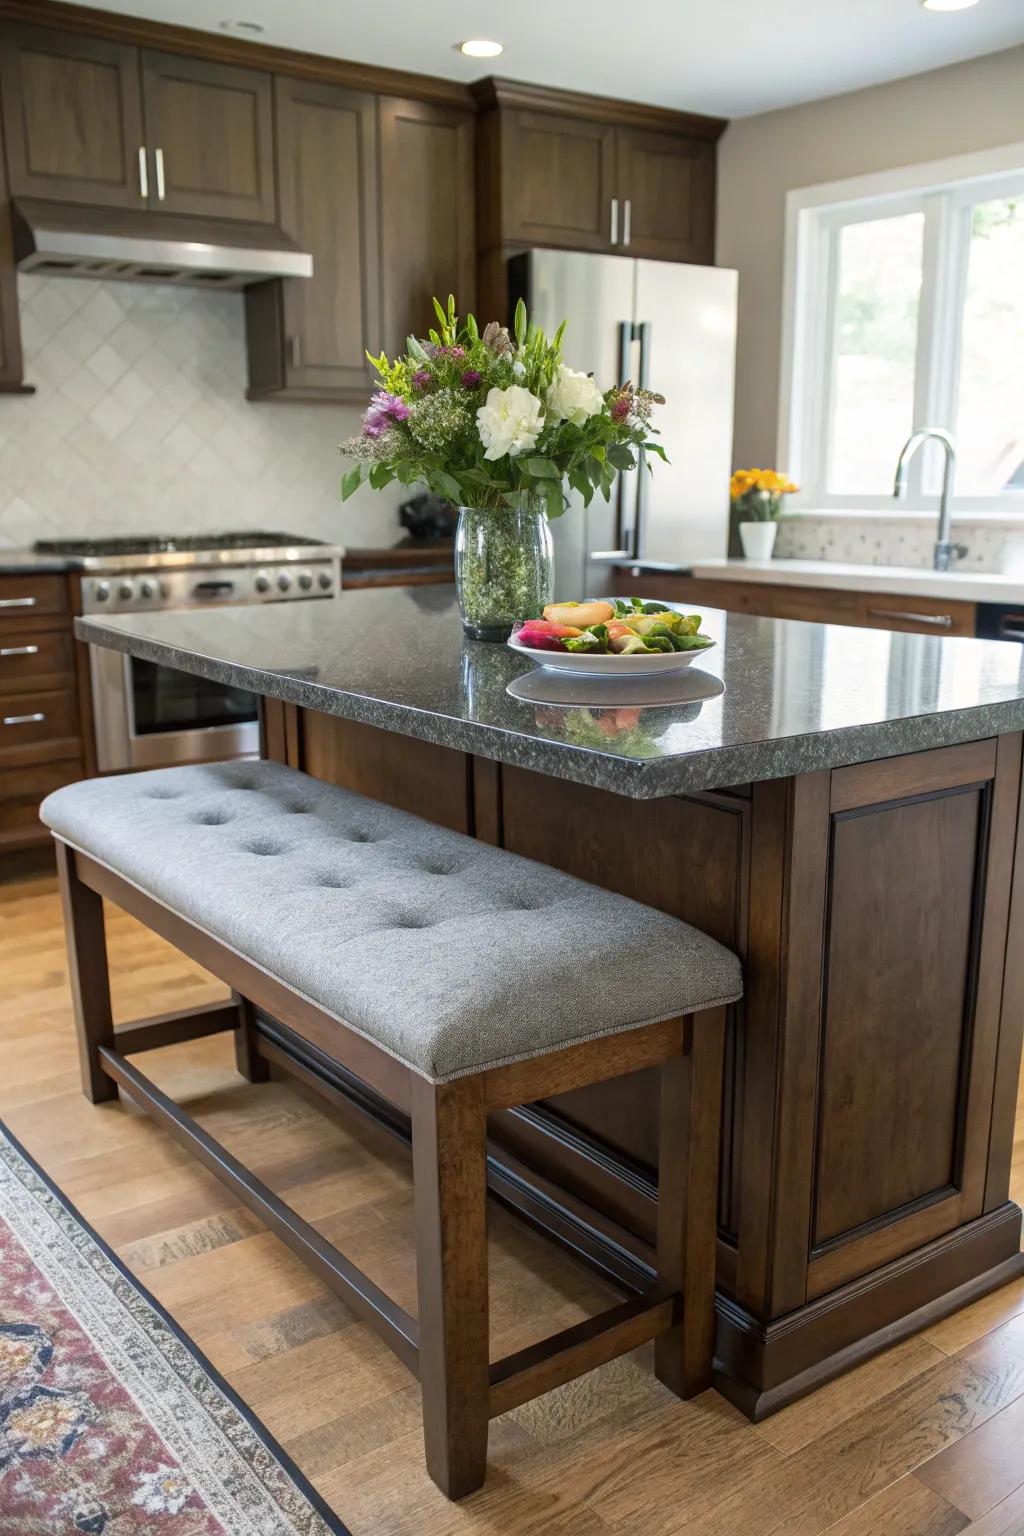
<point x="384" y="411"/>
<point x="620" y="408"/>
<point x="471" y="378"/>
<point x="456" y="353"/>
<point x="421" y="379"/>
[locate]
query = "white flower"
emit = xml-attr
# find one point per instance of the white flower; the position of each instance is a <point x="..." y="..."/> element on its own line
<point x="574" y="397"/>
<point x="162" y="1492"/>
<point x="510" y="421"/>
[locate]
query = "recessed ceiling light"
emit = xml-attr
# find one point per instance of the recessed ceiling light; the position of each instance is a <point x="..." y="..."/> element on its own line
<point x="243" y="28"/>
<point x="948" y="5"/>
<point x="481" y="48"/>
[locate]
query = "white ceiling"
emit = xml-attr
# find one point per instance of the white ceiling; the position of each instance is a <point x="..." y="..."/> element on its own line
<point x="730" y="57"/>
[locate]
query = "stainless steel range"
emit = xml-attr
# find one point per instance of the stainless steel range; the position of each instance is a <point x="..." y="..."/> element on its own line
<point x="146" y="715"/>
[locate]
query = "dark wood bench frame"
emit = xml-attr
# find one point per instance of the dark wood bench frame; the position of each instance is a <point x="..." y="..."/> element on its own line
<point x="447" y="1346"/>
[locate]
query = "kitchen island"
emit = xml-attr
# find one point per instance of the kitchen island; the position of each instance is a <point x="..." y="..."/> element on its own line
<point x="844" y="810"/>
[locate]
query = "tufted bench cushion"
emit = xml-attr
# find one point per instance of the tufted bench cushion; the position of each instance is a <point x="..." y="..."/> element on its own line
<point x="451" y="955"/>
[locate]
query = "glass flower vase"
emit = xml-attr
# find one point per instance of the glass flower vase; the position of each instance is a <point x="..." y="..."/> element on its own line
<point x="504" y="567"/>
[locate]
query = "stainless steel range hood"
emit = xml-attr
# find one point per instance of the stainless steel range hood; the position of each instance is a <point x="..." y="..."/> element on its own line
<point x="65" y="240"/>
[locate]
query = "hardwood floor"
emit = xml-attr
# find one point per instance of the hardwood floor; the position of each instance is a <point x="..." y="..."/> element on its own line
<point x="924" y="1440"/>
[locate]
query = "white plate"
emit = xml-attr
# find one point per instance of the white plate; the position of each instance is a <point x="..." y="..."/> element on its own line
<point x="642" y="664"/>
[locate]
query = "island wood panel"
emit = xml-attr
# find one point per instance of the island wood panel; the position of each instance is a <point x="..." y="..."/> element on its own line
<point x="416" y="776"/>
<point x="759" y="868"/>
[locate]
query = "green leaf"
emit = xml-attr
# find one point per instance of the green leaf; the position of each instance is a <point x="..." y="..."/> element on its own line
<point x="446" y="485"/>
<point x="598" y="452"/>
<point x="520" y="322"/>
<point x="415" y="349"/>
<point x="658" y="449"/>
<point x="543" y="469"/>
<point x="440" y="313"/>
<point x="551" y="490"/>
<point x="620" y="456"/>
<point x="380" y="476"/>
<point x="351" y="480"/>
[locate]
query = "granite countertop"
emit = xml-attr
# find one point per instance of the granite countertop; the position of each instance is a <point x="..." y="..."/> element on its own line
<point x="24" y="562"/>
<point x="908" y="581"/>
<point x="774" y="698"/>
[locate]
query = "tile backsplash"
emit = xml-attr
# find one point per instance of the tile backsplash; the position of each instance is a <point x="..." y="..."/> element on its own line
<point x="140" y="423"/>
<point x="895" y="541"/>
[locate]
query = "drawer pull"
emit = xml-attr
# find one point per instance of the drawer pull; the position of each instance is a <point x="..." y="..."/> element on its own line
<point x="36" y="719"/>
<point x="18" y="602"/>
<point x="19" y="650"/>
<point x="940" y="620"/>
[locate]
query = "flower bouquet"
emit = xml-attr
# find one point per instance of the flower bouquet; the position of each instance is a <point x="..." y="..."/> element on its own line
<point x="497" y="424"/>
<point x="756" y="496"/>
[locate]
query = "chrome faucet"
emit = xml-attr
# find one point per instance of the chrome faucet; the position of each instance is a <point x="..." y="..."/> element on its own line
<point x="945" y="550"/>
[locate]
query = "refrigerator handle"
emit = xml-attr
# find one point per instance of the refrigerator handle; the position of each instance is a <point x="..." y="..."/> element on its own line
<point x="644" y="333"/>
<point x="623" y="538"/>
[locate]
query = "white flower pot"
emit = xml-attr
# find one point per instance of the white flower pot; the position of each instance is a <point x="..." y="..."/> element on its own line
<point x="758" y="539"/>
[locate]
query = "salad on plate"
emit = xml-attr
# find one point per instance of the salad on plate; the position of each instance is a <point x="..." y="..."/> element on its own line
<point x="613" y="627"/>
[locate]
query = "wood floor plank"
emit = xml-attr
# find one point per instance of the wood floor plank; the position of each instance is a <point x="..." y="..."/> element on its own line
<point x="906" y="1508"/>
<point x="1006" y="1519"/>
<point x="985" y="1467"/>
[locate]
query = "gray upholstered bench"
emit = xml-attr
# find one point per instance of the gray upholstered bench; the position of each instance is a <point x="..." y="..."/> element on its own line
<point x="453" y="978"/>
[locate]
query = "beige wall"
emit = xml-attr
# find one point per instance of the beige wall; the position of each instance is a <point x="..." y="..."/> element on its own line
<point x="970" y="106"/>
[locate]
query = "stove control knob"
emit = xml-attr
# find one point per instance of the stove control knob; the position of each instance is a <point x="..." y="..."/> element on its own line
<point x="126" y="591"/>
<point x="325" y="580"/>
<point x="284" y="581"/>
<point x="149" y="588"/>
<point x="102" y="591"/>
<point x="305" y="580"/>
<point x="262" y="582"/>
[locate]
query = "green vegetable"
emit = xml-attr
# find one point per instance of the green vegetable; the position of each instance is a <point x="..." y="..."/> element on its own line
<point x="693" y="642"/>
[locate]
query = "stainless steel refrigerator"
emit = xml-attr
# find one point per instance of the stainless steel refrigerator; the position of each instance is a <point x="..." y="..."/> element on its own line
<point x="671" y="328"/>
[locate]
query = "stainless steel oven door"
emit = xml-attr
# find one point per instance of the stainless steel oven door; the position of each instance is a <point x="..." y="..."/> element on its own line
<point x="150" y="716"/>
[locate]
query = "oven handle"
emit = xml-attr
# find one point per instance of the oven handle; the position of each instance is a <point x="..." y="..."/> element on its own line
<point x="1008" y="630"/>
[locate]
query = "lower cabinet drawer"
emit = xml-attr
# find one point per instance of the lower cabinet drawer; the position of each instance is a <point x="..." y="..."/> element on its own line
<point x="36" y="727"/>
<point x="27" y="654"/>
<point x="21" y="792"/>
<point x="23" y="596"/>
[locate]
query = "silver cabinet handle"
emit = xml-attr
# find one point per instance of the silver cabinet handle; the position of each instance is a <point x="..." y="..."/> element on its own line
<point x="24" y="719"/>
<point x="614" y="231"/>
<point x="19" y="650"/>
<point x="295" y="350"/>
<point x="18" y="602"/>
<point x="143" y="174"/>
<point x="627" y="220"/>
<point x="940" y="620"/>
<point x="161" y="190"/>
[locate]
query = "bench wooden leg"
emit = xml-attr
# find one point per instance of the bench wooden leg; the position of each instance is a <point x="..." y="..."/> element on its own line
<point x="248" y="1060"/>
<point x="691" y="1098"/>
<point x="449" y="1148"/>
<point x="85" y="935"/>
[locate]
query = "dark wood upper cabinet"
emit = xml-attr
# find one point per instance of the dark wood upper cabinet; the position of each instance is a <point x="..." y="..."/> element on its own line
<point x="72" y="117"/>
<point x="557" y="181"/>
<point x="666" y="188"/>
<point x="585" y="173"/>
<point x="428" y="220"/>
<point x="308" y="336"/>
<point x="209" y="131"/>
<point x="11" y="371"/>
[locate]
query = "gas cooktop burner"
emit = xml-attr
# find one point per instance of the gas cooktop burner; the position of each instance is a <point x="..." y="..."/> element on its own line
<point x="150" y="544"/>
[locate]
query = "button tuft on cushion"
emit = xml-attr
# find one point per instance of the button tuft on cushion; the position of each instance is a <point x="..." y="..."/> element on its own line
<point x="161" y="792"/>
<point x="264" y="847"/>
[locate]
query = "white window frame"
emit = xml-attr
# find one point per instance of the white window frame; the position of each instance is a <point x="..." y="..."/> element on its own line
<point x="944" y="191"/>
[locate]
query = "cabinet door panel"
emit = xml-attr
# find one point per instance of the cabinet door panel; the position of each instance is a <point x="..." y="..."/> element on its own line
<point x="670" y="185"/>
<point x="11" y="371"/>
<point x="427" y="215"/>
<point x="327" y="153"/>
<point x="212" y="125"/>
<point x="558" y="181"/>
<point x="72" y="117"/>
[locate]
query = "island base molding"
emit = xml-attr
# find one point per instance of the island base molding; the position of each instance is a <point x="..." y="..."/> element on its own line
<point x="763" y="1367"/>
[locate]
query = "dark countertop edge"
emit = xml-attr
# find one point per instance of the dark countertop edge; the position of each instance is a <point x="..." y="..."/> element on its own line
<point x="28" y="564"/>
<point x="638" y="778"/>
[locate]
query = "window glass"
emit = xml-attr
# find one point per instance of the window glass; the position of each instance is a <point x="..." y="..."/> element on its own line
<point x="990" y="419"/>
<point x="875" y="345"/>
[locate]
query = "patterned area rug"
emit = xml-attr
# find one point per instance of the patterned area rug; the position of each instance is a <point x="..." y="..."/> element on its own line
<point x="111" y="1421"/>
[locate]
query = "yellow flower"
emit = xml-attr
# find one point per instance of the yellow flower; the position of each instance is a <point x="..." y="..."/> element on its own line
<point x="768" y="481"/>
